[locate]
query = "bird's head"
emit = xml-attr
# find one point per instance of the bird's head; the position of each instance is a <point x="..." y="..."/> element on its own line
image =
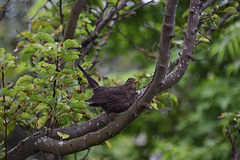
<point x="131" y="81"/>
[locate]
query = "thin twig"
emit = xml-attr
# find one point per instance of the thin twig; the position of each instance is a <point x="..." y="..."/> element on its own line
<point x="23" y="36"/>
<point x="53" y="5"/>
<point x="207" y="4"/>
<point x="208" y="16"/>
<point x="75" y="156"/>
<point x="135" y="45"/>
<point x="110" y="27"/>
<point x="222" y="20"/>
<point x="94" y="61"/>
<point x="88" y="150"/>
<point x="61" y="15"/>
<point x="4" y="114"/>
<point x="134" y="9"/>
<point x="4" y="10"/>
<point x="172" y="66"/>
<point x="87" y="48"/>
<point x="43" y="6"/>
<point x="232" y="141"/>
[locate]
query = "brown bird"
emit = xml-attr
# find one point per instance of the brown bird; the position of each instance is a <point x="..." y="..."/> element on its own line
<point x="113" y="99"/>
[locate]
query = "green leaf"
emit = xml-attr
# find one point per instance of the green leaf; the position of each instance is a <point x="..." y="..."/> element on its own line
<point x="24" y="79"/>
<point x="227" y="115"/>
<point x="52" y="101"/>
<point x="60" y="134"/>
<point x="185" y="14"/>
<point x="29" y="49"/>
<point x="231" y="10"/>
<point x="42" y="107"/>
<point x="154" y="105"/>
<point x="25" y="116"/>
<point x="78" y="104"/>
<point x="5" y="89"/>
<point x="10" y="64"/>
<point x="43" y="73"/>
<point x="38" y="81"/>
<point x="73" y="52"/>
<point x="10" y="92"/>
<point x="63" y="136"/>
<point x="25" y="34"/>
<point x="98" y="3"/>
<point x="174" y="99"/>
<point x="68" y="80"/>
<point x="78" y="116"/>
<point x="216" y="17"/>
<point x="202" y="39"/>
<point x="41" y="122"/>
<point x="29" y="87"/>
<point x="51" y="45"/>
<point x="28" y="52"/>
<point x="66" y="108"/>
<point x="44" y="37"/>
<point x="77" y="96"/>
<point x="9" y="57"/>
<point x="36" y="98"/>
<point x="70" y="43"/>
<point x="2" y="51"/>
<point x="215" y="21"/>
<point x="71" y="57"/>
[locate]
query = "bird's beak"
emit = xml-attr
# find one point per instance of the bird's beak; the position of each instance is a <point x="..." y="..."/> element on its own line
<point x="135" y="81"/>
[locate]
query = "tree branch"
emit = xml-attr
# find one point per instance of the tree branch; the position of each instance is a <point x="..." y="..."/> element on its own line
<point x="61" y="15"/>
<point x="4" y="10"/>
<point x="87" y="43"/>
<point x="222" y="20"/>
<point x="35" y="14"/>
<point x="29" y="19"/>
<point x="192" y="23"/>
<point x="109" y="15"/>
<point x="134" y="9"/>
<point x="167" y="34"/>
<point x="207" y="4"/>
<point x="72" y="19"/>
<point x="135" y="45"/>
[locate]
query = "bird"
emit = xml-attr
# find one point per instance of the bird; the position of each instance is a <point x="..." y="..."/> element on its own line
<point x="112" y="99"/>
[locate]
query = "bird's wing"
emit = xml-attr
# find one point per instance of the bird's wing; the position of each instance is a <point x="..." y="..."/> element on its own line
<point x="107" y="94"/>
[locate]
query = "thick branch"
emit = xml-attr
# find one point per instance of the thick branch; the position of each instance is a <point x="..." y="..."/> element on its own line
<point x="192" y="23"/>
<point x="79" y="130"/>
<point x="167" y="34"/>
<point x="72" y="19"/>
<point x="74" y="131"/>
<point x="91" y="139"/>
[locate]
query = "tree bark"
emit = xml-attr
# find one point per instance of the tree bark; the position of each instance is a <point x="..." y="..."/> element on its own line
<point x="72" y="19"/>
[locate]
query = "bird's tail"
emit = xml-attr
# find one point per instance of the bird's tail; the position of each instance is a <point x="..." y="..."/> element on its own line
<point x="91" y="81"/>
